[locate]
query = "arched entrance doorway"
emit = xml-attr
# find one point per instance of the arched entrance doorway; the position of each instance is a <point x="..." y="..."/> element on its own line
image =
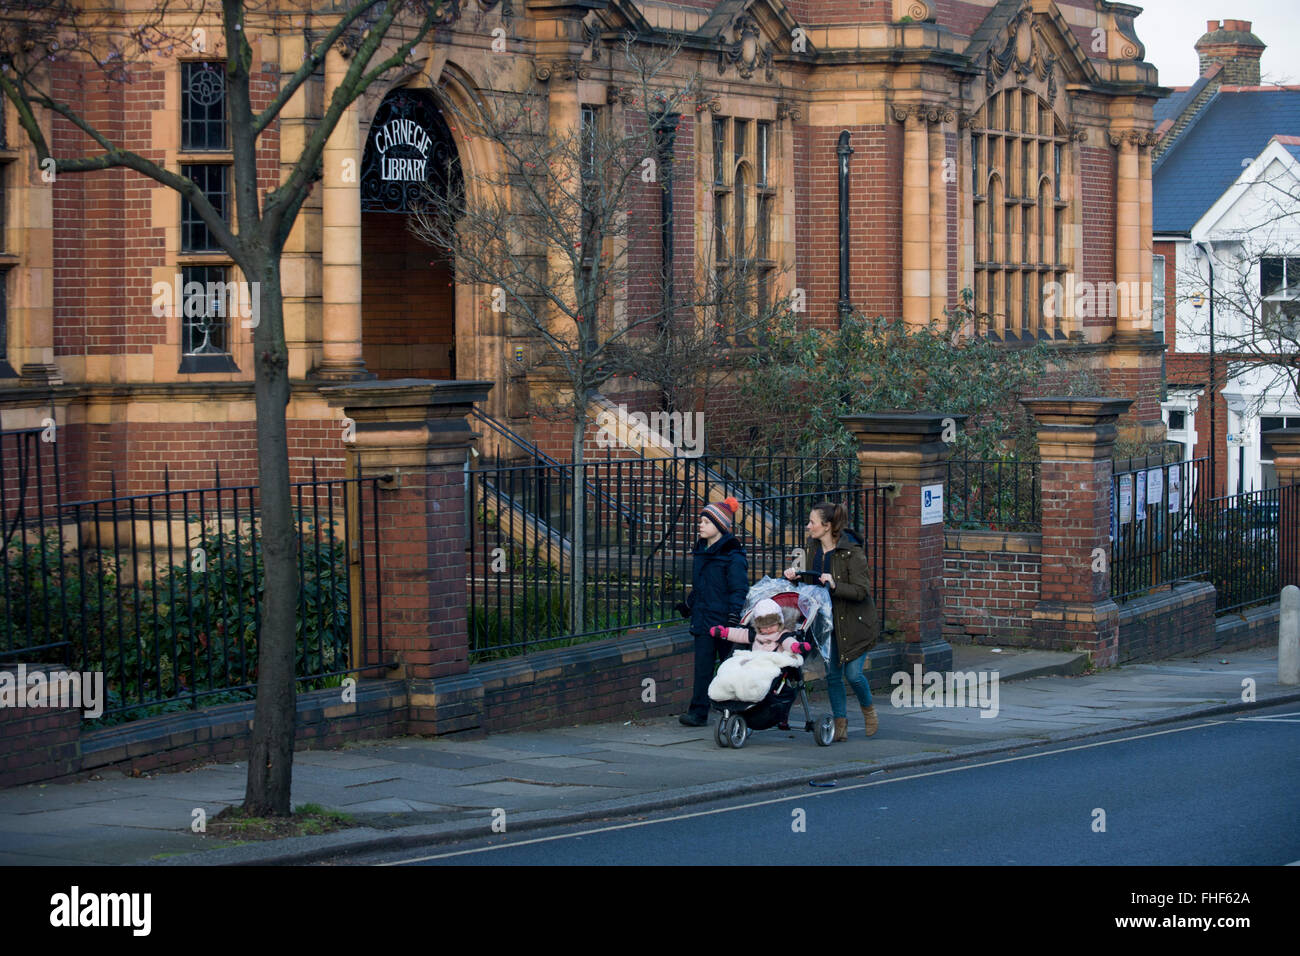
<point x="408" y="288"/>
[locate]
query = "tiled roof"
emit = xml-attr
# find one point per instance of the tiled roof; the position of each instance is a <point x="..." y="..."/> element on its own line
<point x="1234" y="126"/>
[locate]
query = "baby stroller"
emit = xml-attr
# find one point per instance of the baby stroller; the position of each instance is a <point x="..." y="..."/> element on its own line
<point x="810" y="611"/>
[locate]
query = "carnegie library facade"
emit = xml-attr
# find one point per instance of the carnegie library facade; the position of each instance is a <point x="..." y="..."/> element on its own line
<point x="884" y="154"/>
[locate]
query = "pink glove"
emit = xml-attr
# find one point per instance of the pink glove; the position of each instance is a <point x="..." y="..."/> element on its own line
<point x="737" y="635"/>
<point x="798" y="647"/>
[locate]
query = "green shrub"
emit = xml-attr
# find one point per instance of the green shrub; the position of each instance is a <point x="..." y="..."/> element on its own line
<point x="174" y="634"/>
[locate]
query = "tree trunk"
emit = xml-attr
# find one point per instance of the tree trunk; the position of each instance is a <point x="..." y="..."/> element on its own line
<point x="270" y="762"/>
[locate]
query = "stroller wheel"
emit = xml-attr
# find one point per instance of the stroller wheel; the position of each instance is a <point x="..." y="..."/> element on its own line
<point x="737" y="731"/>
<point x="720" y="732"/>
<point x="825" y="731"/>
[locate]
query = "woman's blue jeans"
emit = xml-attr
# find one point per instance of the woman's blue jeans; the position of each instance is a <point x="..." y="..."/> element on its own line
<point x="836" y="676"/>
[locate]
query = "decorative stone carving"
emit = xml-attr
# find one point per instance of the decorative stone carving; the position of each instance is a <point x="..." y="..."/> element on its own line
<point x="918" y="11"/>
<point x="1025" y="52"/>
<point x="594" y="43"/>
<point x="561" y="70"/>
<point x="744" y="52"/>
<point x="925" y="112"/>
<point x="784" y="108"/>
<point x="1129" y="46"/>
<point x="1140" y="138"/>
<point x="619" y="94"/>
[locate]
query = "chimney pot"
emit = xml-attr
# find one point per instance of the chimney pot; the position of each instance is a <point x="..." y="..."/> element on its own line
<point x="1211" y="26"/>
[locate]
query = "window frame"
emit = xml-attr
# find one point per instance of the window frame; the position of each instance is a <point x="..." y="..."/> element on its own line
<point x="193" y="257"/>
<point x="1016" y="203"/>
<point x="1271" y="301"/>
<point x="215" y="359"/>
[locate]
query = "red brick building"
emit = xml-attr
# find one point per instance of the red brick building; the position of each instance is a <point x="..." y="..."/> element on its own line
<point x="997" y="146"/>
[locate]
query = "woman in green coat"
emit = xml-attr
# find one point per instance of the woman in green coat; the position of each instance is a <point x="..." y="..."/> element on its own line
<point x="837" y="556"/>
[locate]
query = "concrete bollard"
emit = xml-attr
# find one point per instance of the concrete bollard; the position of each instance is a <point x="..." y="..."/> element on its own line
<point x="1288" y="637"/>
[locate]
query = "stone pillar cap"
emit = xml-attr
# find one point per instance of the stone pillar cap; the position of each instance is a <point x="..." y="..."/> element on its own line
<point x="411" y="393"/>
<point x="1284" y="440"/>
<point x="1067" y="410"/>
<point x="906" y="423"/>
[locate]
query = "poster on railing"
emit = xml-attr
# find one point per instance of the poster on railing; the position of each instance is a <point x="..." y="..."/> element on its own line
<point x="1155" y="487"/>
<point x="1175" y="487"/>
<point x="1140" y="495"/>
<point x="1125" y="499"/>
<point x="1114" y="515"/>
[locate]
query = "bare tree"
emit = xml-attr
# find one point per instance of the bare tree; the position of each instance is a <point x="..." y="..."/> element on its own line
<point x="1255" y="301"/>
<point x="553" y="233"/>
<point x="116" y="44"/>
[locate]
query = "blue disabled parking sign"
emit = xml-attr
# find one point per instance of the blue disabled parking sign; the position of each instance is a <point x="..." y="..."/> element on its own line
<point x="931" y="504"/>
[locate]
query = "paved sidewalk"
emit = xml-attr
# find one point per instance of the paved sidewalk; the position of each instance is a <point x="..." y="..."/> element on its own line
<point x="412" y="790"/>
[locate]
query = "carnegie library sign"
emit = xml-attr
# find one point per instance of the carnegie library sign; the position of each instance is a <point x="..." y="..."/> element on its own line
<point x="408" y="148"/>
<point x="405" y="135"/>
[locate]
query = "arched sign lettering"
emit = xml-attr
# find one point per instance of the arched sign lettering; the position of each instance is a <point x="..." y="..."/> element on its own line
<point x="408" y="148"/>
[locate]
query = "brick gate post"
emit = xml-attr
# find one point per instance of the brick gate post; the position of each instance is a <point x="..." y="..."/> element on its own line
<point x="907" y="450"/>
<point x="1286" y="460"/>
<point x="415" y="432"/>
<point x="1075" y="439"/>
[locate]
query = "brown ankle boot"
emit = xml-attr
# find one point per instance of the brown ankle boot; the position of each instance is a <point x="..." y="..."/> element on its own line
<point x="873" y="723"/>
<point x="841" y="729"/>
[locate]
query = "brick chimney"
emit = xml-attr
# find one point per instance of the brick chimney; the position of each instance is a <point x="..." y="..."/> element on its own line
<point x="1231" y="43"/>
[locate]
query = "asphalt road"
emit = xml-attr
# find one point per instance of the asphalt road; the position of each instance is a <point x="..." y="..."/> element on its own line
<point x="1209" y="792"/>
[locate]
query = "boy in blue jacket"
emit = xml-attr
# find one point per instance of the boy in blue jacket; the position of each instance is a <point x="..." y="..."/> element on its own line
<point x="719" y="582"/>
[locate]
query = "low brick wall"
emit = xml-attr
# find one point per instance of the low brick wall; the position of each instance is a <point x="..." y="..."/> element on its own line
<point x="577" y="685"/>
<point x="991" y="585"/>
<point x="36" y="743"/>
<point x="590" y="683"/>
<point x="1254" y="626"/>
<point x="1167" y="623"/>
<point x="48" y="744"/>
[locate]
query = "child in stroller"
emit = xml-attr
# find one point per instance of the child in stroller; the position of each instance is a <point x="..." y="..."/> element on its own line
<point x="754" y="690"/>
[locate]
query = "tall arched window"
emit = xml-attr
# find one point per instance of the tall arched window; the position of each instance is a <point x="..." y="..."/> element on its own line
<point x="743" y="167"/>
<point x="1017" y="151"/>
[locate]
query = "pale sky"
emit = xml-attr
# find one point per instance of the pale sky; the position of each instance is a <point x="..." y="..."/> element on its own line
<point x="1170" y="28"/>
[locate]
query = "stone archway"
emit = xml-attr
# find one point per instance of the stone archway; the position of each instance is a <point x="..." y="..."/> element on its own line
<point x="408" y="288"/>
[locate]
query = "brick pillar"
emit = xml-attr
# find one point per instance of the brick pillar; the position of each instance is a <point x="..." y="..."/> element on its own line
<point x="906" y="449"/>
<point x="1075" y="439"/>
<point x="415" y="433"/>
<point x="1286" y="459"/>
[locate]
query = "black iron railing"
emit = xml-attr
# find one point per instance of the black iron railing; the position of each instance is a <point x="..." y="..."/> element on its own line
<point x="992" y="494"/>
<point x="1247" y="550"/>
<point x="161" y="592"/>
<point x="522" y="584"/>
<point x="1154" y="511"/>
<point x="772" y="548"/>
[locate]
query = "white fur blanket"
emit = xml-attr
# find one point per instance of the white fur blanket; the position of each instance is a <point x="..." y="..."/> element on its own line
<point x="748" y="675"/>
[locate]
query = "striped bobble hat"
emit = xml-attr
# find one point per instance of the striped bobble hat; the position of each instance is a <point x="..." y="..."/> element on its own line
<point x="721" y="513"/>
